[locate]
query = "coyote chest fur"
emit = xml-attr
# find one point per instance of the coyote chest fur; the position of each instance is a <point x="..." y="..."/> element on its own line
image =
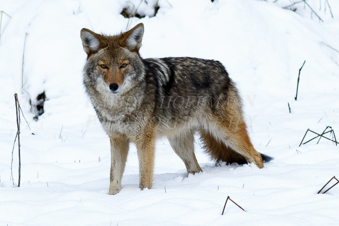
<point x="139" y="100"/>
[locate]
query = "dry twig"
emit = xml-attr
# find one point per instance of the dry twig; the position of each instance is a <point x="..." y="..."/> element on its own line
<point x="320" y="136"/>
<point x="17" y="109"/>
<point x="296" y="95"/>
<point x="327" y="184"/>
<point x="228" y="198"/>
<point x="2" y="12"/>
<point x="17" y="137"/>
<point x="22" y="66"/>
<point x="329" y="8"/>
<point x="313" y="10"/>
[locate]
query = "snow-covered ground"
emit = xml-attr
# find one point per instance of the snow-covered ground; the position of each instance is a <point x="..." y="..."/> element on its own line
<point x="65" y="164"/>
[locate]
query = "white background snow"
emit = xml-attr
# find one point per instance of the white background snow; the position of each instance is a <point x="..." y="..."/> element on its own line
<point x="65" y="164"/>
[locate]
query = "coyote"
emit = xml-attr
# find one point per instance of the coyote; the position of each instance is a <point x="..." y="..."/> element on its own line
<point x="139" y="100"/>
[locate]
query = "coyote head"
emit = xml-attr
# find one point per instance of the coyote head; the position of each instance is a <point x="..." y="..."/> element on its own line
<point x="113" y="62"/>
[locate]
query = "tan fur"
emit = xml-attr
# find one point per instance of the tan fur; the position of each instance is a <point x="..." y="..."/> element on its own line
<point x="239" y="141"/>
<point x="233" y="132"/>
<point x="219" y="151"/>
<point x="146" y="152"/>
<point x="183" y="145"/>
<point x="119" y="151"/>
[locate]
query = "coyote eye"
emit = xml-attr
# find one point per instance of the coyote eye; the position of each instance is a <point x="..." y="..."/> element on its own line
<point x="103" y="66"/>
<point x="123" y="65"/>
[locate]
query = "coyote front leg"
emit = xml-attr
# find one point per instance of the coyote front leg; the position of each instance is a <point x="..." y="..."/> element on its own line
<point x="146" y="151"/>
<point x="119" y="150"/>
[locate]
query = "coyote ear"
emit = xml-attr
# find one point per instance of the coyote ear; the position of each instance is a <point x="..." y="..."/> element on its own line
<point x="91" y="41"/>
<point x="132" y="38"/>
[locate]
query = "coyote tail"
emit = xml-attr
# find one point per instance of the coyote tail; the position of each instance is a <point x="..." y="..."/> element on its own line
<point x="222" y="153"/>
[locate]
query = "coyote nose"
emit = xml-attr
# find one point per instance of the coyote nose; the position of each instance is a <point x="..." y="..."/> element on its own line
<point x="113" y="87"/>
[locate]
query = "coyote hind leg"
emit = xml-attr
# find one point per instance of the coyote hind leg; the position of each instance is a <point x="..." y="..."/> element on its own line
<point x="183" y="145"/>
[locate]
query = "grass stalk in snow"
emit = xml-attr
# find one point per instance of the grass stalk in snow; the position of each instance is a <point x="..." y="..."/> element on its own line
<point x="22" y="66"/>
<point x="60" y="136"/>
<point x="268" y="142"/>
<point x="313" y="10"/>
<point x="169" y="3"/>
<point x="320" y="135"/>
<point x="296" y="95"/>
<point x="12" y="178"/>
<point x="131" y="15"/>
<point x="327" y="184"/>
<point x="2" y="12"/>
<point x="330" y="47"/>
<point x="17" y="110"/>
<point x="17" y="137"/>
<point x="228" y="198"/>
<point x="329" y="8"/>
<point x="289" y="107"/>
<point x="330" y="131"/>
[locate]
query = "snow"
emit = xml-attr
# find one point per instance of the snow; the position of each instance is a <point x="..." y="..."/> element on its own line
<point x="65" y="164"/>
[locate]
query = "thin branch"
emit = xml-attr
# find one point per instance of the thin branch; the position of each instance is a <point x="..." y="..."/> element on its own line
<point x="130" y="16"/>
<point x="2" y="12"/>
<point x="24" y="117"/>
<point x="296" y="95"/>
<point x="319" y="135"/>
<point x="18" y="132"/>
<point x="133" y="14"/>
<point x="169" y="3"/>
<point x="16" y="136"/>
<point x="324" y="132"/>
<point x="6" y="14"/>
<point x="329" y="8"/>
<point x="327" y="184"/>
<point x="335" y="138"/>
<point x="314" y="137"/>
<point x="324" y="137"/>
<point x="331" y="187"/>
<point x="330" y="47"/>
<point x="223" y="210"/>
<point x="228" y="198"/>
<point x="237" y="205"/>
<point x="289" y="107"/>
<point x="268" y="142"/>
<point x="313" y="11"/>
<point x="303" y="137"/>
<point x="22" y="66"/>
<point x="60" y="136"/>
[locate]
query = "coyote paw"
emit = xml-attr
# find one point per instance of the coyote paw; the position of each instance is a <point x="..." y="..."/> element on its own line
<point x="194" y="171"/>
<point x="114" y="189"/>
<point x="142" y="186"/>
<point x="258" y="161"/>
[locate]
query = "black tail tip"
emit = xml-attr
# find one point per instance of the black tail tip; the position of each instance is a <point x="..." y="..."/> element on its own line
<point x="266" y="158"/>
